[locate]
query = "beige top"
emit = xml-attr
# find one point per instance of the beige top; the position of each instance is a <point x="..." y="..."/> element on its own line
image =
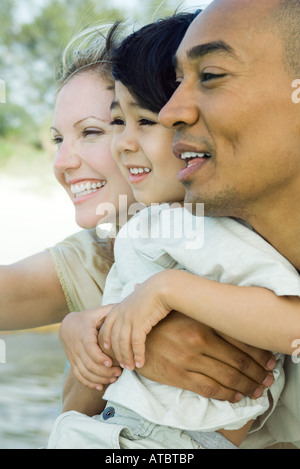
<point x="82" y="262"/>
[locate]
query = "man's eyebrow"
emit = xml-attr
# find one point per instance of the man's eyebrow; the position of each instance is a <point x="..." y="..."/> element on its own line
<point x="211" y="48"/>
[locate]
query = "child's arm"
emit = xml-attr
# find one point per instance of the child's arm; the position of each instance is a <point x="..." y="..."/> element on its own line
<point x="252" y="315"/>
<point x="31" y="294"/>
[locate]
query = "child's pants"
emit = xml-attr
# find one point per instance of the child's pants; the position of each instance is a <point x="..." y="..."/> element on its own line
<point x="120" y="428"/>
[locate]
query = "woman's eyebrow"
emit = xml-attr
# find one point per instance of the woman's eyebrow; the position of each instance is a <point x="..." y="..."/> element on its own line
<point x="54" y="129"/>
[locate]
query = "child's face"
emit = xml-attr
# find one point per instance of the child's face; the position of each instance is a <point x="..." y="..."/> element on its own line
<point x="142" y="148"/>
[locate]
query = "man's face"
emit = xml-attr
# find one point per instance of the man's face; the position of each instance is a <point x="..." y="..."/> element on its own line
<point x="233" y="107"/>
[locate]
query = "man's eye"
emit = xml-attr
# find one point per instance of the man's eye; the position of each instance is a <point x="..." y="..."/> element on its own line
<point x="211" y="76"/>
<point x="117" y="121"/>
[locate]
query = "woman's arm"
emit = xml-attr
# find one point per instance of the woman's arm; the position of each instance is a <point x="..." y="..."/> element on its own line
<point x="78" y="397"/>
<point x="31" y="294"/>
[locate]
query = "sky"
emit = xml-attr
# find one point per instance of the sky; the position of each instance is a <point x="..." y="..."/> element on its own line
<point x="25" y="13"/>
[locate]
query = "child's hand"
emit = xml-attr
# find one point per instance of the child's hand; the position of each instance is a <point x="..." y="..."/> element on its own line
<point x="79" y="336"/>
<point x="128" y="323"/>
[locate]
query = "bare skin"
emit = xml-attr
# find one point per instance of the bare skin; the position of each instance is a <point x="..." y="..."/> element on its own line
<point x="242" y="121"/>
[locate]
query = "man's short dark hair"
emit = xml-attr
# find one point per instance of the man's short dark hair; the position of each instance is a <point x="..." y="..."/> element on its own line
<point x="286" y="18"/>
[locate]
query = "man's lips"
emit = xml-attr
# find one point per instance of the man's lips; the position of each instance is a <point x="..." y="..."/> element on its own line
<point x="194" y="158"/>
<point x="187" y="152"/>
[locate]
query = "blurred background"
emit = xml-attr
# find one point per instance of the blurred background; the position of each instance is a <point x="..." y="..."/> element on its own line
<point x="34" y="211"/>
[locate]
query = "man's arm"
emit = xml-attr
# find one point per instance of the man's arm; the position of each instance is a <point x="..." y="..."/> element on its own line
<point x="184" y="353"/>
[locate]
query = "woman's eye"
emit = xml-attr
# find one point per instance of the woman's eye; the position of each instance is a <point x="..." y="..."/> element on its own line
<point x="57" y="140"/>
<point x="117" y="121"/>
<point x="87" y="132"/>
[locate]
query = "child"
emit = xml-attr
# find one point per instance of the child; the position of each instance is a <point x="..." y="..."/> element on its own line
<point x="141" y="413"/>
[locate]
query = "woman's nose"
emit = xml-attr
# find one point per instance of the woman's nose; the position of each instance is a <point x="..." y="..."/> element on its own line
<point x="66" y="157"/>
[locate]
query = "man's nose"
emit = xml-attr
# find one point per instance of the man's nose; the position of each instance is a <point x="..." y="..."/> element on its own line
<point x="180" y="110"/>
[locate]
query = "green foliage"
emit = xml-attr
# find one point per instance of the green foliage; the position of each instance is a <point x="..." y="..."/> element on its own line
<point x="30" y="52"/>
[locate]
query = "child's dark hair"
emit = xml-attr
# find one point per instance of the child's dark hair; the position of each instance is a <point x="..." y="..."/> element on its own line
<point x="143" y="62"/>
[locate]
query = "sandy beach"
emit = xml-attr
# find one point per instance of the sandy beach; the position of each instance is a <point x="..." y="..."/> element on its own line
<point x="35" y="214"/>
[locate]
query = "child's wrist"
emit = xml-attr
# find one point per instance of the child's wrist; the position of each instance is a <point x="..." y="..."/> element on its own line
<point x="168" y="285"/>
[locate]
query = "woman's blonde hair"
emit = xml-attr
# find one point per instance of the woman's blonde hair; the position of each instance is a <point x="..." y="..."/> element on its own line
<point x="89" y="50"/>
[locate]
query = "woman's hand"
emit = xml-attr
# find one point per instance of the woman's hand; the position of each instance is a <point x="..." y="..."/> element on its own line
<point x="79" y="336"/>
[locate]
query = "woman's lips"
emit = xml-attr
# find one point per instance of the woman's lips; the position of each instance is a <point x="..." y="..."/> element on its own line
<point x="85" y="189"/>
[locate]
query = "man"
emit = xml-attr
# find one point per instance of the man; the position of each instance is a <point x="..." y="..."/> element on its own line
<point x="239" y="131"/>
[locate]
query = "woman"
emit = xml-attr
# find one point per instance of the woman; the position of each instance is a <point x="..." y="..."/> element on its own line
<point x="69" y="275"/>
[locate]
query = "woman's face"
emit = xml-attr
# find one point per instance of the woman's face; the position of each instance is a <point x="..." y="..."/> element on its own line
<point x="83" y="164"/>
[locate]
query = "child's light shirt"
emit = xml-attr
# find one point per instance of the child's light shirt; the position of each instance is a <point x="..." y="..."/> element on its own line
<point x="220" y="249"/>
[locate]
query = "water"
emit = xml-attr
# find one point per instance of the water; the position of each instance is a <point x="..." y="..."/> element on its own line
<point x="32" y="219"/>
<point x="30" y="388"/>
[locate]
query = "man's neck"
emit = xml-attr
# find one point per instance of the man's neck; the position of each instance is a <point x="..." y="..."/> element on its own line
<point x="282" y="231"/>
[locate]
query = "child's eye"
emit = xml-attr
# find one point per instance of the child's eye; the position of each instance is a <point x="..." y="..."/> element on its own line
<point x="117" y="121"/>
<point x="146" y="122"/>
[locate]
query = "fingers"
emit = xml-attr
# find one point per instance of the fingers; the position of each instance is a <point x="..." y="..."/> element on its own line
<point x="93" y="368"/>
<point x="125" y="338"/>
<point x="233" y="369"/>
<point x="211" y="389"/>
<point x="107" y="328"/>
<point x="138" y="348"/>
<point x="121" y="337"/>
<point x="224" y="382"/>
<point x="95" y="381"/>
<point x="253" y="363"/>
<point x="263" y="358"/>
